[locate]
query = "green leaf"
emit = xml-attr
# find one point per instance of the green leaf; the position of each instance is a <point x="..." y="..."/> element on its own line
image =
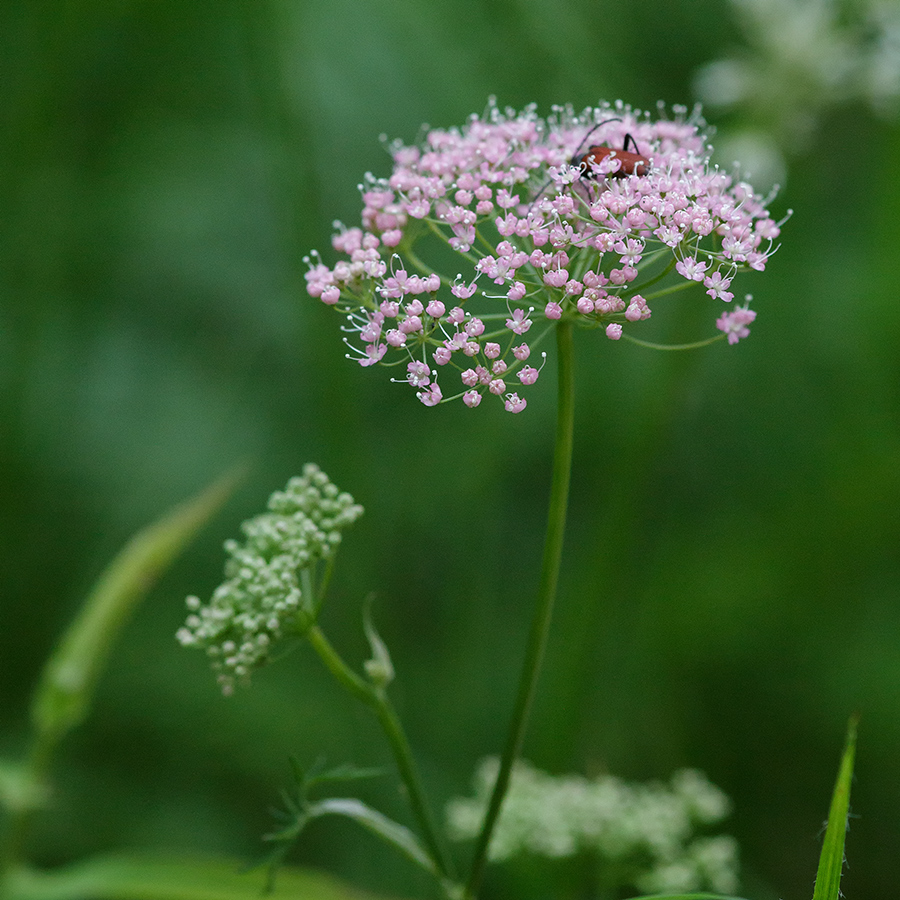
<point x="399" y="836"/>
<point x="63" y="695"/>
<point x="316" y="775"/>
<point x="19" y="792"/>
<point x="831" y="862"/>
<point x="685" y="897"/>
<point x="379" y="668"/>
<point x="145" y="878"/>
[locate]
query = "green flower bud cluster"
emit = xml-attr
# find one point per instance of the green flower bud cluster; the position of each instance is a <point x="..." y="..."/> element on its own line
<point x="268" y="593"/>
<point x="645" y="832"/>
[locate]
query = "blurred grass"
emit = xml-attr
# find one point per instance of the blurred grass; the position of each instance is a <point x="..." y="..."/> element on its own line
<point x="730" y="589"/>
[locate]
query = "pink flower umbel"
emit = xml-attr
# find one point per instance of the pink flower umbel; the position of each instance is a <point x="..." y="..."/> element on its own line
<point x="569" y="218"/>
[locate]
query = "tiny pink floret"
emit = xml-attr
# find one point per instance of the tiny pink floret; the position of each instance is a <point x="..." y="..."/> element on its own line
<point x="418" y="374"/>
<point x="395" y="338"/>
<point x="432" y="396"/>
<point x="515" y="404"/>
<point x="735" y="323"/>
<point x="331" y="295"/>
<point x="519" y="323"/>
<point x="553" y="310"/>
<point x="516" y="292"/>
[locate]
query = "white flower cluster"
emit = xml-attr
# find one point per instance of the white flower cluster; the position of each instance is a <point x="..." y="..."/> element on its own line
<point x="801" y="59"/>
<point x="263" y="597"/>
<point x="646" y="829"/>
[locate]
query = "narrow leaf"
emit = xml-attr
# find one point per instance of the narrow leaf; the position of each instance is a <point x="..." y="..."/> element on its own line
<point x="685" y="897"/>
<point x="399" y="836"/>
<point x="379" y="668"/>
<point x="344" y="772"/>
<point x="67" y="684"/>
<point x="831" y="862"/>
<point x="143" y="878"/>
<point x="19" y="792"/>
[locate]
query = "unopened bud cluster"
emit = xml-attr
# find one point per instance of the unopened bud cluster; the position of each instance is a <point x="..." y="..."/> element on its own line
<point x="263" y="597"/>
<point x="643" y="831"/>
<point x="544" y="230"/>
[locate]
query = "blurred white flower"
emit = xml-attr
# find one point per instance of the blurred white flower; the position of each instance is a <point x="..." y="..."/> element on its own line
<point x="800" y="58"/>
<point x="645" y="831"/>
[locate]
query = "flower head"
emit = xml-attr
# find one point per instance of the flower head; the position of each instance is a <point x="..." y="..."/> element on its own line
<point x="544" y="232"/>
<point x="645" y="832"/>
<point x="265" y="595"/>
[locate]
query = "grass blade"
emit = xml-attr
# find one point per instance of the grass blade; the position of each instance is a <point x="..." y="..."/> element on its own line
<point x="831" y="862"/>
<point x="66" y="688"/>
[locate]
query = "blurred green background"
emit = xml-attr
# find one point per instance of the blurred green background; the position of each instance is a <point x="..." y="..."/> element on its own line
<point x="732" y="576"/>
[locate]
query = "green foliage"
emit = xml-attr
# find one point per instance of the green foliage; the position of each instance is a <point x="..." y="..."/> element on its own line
<point x="19" y="792"/>
<point x="831" y="862"/>
<point x="67" y="684"/>
<point x="137" y="878"/>
<point x="379" y="668"/>
<point x="684" y="897"/>
<point x="300" y="810"/>
<point x="66" y="688"/>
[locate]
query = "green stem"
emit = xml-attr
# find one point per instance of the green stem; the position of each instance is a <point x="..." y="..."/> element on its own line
<point x="378" y="701"/>
<point x="639" y="289"/>
<point x="671" y="289"/>
<point x="413" y="257"/>
<point x="540" y="626"/>
<point x="34" y="778"/>
<point x="692" y="346"/>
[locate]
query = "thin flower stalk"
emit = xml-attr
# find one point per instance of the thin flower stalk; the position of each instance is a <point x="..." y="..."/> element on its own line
<point x="540" y="626"/>
<point x="376" y="699"/>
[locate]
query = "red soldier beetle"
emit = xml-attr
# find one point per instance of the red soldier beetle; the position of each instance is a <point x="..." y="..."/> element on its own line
<point x="631" y="162"/>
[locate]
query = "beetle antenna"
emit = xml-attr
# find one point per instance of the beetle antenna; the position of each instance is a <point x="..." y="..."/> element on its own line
<point x="574" y="161"/>
<point x="585" y="139"/>
<point x="628" y="138"/>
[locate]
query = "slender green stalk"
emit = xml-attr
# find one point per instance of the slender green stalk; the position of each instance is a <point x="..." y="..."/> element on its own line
<point x="357" y="686"/>
<point x="540" y="626"/>
<point x="691" y="346"/>
<point x="34" y="777"/>
<point x="378" y="701"/>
